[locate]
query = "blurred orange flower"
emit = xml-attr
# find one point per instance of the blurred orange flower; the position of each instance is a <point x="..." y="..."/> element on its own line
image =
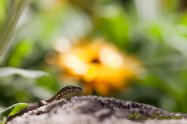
<point x="100" y="66"/>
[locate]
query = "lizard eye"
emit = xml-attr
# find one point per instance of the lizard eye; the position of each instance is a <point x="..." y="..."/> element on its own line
<point x="58" y="97"/>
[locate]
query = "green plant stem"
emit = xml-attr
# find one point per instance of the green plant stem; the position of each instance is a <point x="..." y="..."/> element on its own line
<point x="16" y="8"/>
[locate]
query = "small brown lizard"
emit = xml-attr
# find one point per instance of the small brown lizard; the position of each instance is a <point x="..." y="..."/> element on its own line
<point x="65" y="93"/>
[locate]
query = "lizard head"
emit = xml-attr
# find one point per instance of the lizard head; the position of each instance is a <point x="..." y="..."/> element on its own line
<point x="68" y="92"/>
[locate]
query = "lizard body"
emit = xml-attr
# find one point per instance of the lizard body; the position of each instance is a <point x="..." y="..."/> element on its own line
<point x="65" y="93"/>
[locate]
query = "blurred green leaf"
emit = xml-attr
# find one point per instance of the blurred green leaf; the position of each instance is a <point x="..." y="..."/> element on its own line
<point x="114" y="23"/>
<point x="3" y="121"/>
<point x="17" y="108"/>
<point x="12" y="110"/>
<point x="21" y="52"/>
<point x="7" y="71"/>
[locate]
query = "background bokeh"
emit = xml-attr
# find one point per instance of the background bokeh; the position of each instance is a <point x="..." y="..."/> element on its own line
<point x="128" y="49"/>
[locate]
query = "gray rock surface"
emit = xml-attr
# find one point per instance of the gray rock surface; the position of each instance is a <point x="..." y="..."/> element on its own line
<point x="98" y="110"/>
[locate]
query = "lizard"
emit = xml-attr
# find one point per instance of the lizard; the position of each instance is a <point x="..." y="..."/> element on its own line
<point x="64" y="93"/>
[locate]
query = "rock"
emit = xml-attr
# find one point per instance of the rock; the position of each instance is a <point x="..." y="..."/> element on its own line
<point x="98" y="110"/>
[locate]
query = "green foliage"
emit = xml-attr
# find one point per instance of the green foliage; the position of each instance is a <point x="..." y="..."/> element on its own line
<point x="21" y="52"/>
<point x="12" y="110"/>
<point x="114" y="26"/>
